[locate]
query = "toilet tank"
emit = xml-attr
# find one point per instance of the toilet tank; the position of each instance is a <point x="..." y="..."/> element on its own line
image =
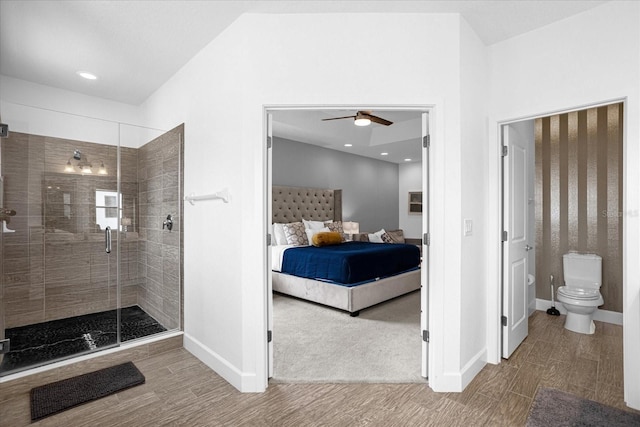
<point x="582" y="270"/>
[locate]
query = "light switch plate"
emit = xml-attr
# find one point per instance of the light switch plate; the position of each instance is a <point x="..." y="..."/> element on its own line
<point x="468" y="227"/>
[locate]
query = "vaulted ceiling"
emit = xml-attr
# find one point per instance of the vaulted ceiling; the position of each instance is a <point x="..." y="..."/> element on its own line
<point x="134" y="47"/>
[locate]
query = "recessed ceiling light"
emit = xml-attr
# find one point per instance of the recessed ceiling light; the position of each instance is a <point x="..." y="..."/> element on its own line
<point x="87" y="75"/>
<point x="348" y="145"/>
<point x="384" y="154"/>
<point x="407" y="160"/>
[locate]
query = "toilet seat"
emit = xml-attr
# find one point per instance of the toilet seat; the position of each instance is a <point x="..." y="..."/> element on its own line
<point x="579" y="293"/>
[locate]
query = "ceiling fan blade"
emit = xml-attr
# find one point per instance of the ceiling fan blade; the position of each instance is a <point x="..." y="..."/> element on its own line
<point x="379" y="120"/>
<point x="338" y="118"/>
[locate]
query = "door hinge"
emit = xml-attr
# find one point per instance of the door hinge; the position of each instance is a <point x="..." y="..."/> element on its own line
<point x="505" y="236"/>
<point x="425" y="336"/>
<point x="268" y="239"/>
<point x="505" y="151"/>
<point x="426" y="141"/>
<point x="504" y="320"/>
<point x="269" y="336"/>
<point x="4" y="346"/>
<point x="269" y="142"/>
<point x="426" y="239"/>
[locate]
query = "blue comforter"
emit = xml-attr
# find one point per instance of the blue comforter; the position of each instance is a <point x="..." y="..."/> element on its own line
<point x="350" y="263"/>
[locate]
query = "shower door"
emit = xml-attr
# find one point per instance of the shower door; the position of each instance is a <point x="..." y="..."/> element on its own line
<point x="59" y="280"/>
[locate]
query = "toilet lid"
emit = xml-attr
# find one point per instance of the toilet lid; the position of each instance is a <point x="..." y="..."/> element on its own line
<point x="579" y="293"/>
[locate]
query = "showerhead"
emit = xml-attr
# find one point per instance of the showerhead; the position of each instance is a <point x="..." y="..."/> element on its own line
<point x="77" y="155"/>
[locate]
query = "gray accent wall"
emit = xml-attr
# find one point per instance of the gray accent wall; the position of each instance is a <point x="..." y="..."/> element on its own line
<point x="369" y="186"/>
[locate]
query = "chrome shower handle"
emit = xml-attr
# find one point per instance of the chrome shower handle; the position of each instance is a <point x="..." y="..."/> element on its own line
<point x="107" y="239"/>
<point x="168" y="223"/>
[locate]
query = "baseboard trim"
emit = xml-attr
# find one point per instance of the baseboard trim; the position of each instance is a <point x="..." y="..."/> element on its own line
<point x="605" y="316"/>
<point x="473" y="368"/>
<point x="447" y="382"/>
<point x="244" y="382"/>
<point x="456" y="382"/>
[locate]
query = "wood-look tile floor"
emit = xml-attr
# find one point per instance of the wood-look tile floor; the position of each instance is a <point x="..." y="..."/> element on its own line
<point x="180" y="390"/>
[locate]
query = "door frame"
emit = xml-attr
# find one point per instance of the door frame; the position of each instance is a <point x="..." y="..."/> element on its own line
<point x="494" y="247"/>
<point x="427" y="186"/>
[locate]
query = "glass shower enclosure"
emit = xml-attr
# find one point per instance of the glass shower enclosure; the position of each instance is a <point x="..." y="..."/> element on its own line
<point x="91" y="240"/>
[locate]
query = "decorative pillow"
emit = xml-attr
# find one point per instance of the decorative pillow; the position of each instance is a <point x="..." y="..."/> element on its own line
<point x="327" y="238"/>
<point x="386" y="238"/>
<point x="313" y="225"/>
<point x="360" y="237"/>
<point x="393" y="236"/>
<point x="295" y="234"/>
<point x="335" y="226"/>
<point x="310" y="233"/>
<point x="278" y="234"/>
<point x="377" y="236"/>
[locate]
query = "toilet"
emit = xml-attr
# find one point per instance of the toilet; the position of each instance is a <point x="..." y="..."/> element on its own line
<point x="580" y="294"/>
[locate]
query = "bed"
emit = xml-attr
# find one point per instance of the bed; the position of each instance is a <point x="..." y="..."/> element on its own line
<point x="366" y="280"/>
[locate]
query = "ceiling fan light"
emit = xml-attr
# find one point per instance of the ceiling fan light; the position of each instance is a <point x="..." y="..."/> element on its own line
<point x="362" y="121"/>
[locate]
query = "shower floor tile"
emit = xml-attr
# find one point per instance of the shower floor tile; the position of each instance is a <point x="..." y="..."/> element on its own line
<point x="48" y="342"/>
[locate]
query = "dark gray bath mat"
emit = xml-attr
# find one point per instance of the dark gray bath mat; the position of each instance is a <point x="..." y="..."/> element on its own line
<point x="59" y="396"/>
<point x="556" y="408"/>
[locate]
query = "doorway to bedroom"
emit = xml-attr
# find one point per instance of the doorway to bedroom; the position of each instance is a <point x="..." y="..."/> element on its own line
<point x="328" y="174"/>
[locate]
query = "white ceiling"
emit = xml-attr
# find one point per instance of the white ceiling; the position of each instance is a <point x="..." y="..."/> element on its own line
<point x="401" y="140"/>
<point x="134" y="47"/>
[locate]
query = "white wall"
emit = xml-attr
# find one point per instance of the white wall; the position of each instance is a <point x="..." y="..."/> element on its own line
<point x="589" y="58"/>
<point x="409" y="179"/>
<point x="472" y="317"/>
<point x="43" y="110"/>
<point x="271" y="60"/>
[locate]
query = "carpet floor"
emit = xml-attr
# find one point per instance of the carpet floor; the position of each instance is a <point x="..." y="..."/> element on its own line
<point x="313" y="343"/>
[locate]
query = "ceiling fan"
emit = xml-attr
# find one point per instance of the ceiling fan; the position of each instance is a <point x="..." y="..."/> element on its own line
<point x="364" y="118"/>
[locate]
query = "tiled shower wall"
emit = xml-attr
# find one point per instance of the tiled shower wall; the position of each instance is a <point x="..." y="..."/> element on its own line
<point x="54" y="264"/>
<point x="159" y="178"/>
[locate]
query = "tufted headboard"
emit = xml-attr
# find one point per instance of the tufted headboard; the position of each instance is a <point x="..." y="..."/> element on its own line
<point x="291" y="204"/>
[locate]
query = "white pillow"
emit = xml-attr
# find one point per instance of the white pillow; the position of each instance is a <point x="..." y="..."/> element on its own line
<point x="377" y="236"/>
<point x="278" y="234"/>
<point x="310" y="233"/>
<point x="313" y="225"/>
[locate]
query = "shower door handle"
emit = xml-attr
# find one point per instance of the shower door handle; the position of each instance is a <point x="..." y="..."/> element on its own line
<point x="107" y="239"/>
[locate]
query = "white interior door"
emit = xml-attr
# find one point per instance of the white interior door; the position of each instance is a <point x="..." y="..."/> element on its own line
<point x="269" y="237"/>
<point x="424" y="290"/>
<point x="515" y="240"/>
